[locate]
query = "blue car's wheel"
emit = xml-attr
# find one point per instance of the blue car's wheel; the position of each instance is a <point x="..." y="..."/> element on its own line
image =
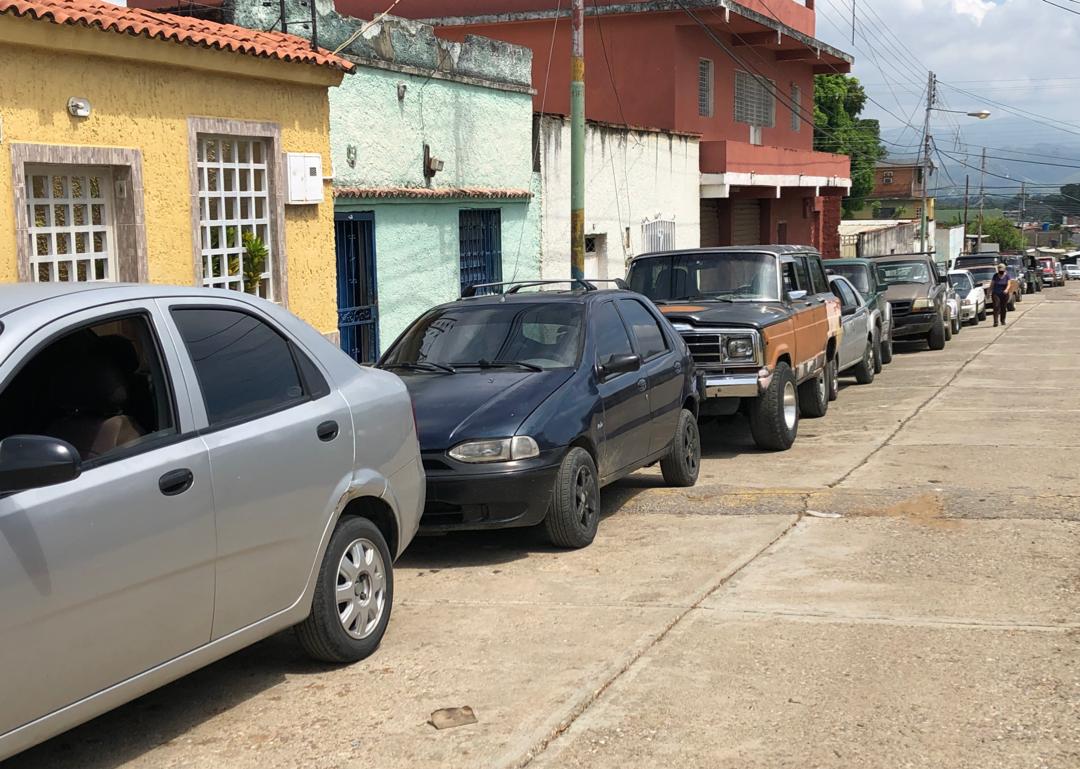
<point x="575" y="506"/>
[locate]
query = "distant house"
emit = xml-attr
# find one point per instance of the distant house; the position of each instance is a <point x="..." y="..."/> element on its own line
<point x="897" y="194"/>
<point x="147" y="147"/>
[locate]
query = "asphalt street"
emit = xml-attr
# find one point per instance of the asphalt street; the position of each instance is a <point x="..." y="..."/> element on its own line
<point x="901" y="589"/>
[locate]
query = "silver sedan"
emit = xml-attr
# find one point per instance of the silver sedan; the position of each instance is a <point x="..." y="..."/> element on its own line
<point x="184" y="472"/>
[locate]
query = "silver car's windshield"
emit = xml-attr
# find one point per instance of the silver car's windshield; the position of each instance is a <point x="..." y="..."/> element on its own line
<point x="725" y="276"/>
<point x="895" y="273"/>
<point x="543" y="336"/>
<point x="960" y="282"/>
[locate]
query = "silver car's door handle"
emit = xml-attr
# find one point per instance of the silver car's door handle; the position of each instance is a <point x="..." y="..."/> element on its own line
<point x="327" y="431"/>
<point x="176" y="482"/>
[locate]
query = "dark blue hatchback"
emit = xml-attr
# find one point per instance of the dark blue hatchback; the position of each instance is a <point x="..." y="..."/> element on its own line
<point x="529" y="401"/>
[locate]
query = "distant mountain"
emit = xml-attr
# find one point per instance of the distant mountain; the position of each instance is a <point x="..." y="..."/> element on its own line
<point x="1031" y="144"/>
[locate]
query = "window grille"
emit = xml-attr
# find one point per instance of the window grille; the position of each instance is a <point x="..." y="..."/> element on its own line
<point x="658" y="235"/>
<point x="755" y="100"/>
<point x="705" y="88"/>
<point x="234" y="214"/>
<point x="796" y="108"/>
<point x="70" y="212"/>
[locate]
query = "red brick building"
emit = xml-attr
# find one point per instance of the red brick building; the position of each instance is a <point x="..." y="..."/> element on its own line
<point x="739" y="74"/>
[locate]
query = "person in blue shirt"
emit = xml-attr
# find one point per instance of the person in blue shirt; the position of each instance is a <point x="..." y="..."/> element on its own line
<point x="999" y="289"/>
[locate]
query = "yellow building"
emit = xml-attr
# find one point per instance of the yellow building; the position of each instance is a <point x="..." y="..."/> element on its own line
<point x="148" y="147"/>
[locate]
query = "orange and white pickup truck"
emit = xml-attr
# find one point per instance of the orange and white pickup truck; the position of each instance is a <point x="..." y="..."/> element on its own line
<point x="762" y="325"/>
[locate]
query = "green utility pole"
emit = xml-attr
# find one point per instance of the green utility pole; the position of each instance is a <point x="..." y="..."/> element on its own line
<point x="577" y="139"/>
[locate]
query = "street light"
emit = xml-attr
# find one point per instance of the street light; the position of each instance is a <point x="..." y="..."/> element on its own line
<point x="982" y="114"/>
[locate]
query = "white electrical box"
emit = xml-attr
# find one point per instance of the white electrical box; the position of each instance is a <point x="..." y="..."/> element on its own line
<point x="305" y="178"/>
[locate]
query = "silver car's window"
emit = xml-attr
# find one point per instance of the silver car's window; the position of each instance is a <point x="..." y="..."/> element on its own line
<point x="245" y="367"/>
<point x="101" y="387"/>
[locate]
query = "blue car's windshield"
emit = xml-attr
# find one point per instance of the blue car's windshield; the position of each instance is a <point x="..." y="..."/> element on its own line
<point x="544" y="336"/>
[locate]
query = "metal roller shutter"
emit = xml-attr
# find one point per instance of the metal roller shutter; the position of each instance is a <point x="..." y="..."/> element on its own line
<point x="746" y="222"/>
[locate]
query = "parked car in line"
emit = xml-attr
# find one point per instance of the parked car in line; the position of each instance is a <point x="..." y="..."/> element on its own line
<point x="1052" y="274"/>
<point x="864" y="276"/>
<point x="1059" y="272"/>
<point x="1021" y="272"/>
<point x="983" y="274"/>
<point x="983" y="266"/>
<point x="1072" y="271"/>
<point x="918" y="298"/>
<point x="972" y="296"/>
<point x="529" y="401"/>
<point x="855" y="353"/>
<point x="184" y="472"/>
<point x="952" y="299"/>
<point x="762" y="324"/>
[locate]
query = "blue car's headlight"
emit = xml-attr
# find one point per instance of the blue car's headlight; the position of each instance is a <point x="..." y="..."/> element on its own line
<point x="496" y="450"/>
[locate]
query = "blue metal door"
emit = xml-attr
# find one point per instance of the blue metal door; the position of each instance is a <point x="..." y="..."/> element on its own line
<point x="480" y="246"/>
<point x="357" y="297"/>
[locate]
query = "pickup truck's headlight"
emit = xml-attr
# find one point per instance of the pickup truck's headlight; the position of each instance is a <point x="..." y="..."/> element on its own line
<point x="922" y="304"/>
<point x="739" y="348"/>
<point x="496" y="450"/>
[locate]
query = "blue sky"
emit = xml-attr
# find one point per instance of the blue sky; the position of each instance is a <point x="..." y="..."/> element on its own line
<point x="1024" y="54"/>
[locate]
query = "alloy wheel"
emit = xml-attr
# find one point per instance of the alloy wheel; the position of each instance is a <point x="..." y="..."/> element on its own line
<point x="791" y="405"/>
<point x="584" y="496"/>
<point x="361" y="588"/>
<point x="690" y="448"/>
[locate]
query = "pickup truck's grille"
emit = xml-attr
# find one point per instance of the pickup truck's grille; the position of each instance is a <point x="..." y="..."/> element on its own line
<point x="900" y="308"/>
<point x="705" y="348"/>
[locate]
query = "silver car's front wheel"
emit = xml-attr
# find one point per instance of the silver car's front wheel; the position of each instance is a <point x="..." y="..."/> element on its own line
<point x="361" y="588"/>
<point x="353" y="597"/>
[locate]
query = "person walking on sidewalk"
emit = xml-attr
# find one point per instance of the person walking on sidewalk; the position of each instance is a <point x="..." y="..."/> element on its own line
<point x="999" y="287"/>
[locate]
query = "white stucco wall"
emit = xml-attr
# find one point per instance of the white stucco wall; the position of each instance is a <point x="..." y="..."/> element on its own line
<point x="949" y="243"/>
<point x="630" y="177"/>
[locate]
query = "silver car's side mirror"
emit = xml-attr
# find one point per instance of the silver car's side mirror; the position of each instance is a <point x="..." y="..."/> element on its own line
<point x="34" y="461"/>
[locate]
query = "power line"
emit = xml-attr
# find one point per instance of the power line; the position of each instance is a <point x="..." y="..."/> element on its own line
<point x="1062" y="7"/>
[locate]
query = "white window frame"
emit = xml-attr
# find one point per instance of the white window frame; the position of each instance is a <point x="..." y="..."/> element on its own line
<point x="269" y="224"/>
<point x="706" y="88"/>
<point x="755" y="100"/>
<point x="64" y="245"/>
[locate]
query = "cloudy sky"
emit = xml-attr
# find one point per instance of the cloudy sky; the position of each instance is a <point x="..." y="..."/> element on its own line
<point x="1024" y="54"/>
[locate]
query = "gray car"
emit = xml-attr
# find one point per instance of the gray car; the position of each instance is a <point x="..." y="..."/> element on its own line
<point x="182" y="473"/>
<point x="855" y="353"/>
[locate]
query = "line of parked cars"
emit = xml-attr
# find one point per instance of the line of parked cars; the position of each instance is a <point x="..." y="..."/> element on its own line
<point x="184" y="471"/>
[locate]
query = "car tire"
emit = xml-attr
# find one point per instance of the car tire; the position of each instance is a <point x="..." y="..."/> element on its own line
<point x="948" y="330"/>
<point x="1012" y="302"/>
<point x="935" y="338"/>
<point x="1019" y="296"/>
<point x="575" y="506"/>
<point x="981" y="314"/>
<point x="958" y="325"/>
<point x="358" y="556"/>
<point x="864" y="369"/>
<point x="878" y="362"/>
<point x="774" y="415"/>
<point x="814" y="394"/>
<point x="681" y="465"/>
<point x="834" y="381"/>
<point x="887" y="351"/>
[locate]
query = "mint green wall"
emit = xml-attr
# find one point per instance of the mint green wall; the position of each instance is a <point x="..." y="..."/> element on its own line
<point x="416" y="253"/>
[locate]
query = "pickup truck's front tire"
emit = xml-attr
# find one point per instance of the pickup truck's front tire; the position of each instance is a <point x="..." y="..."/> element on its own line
<point x="878" y="351"/>
<point x="935" y="337"/>
<point x="774" y="415"/>
<point x="814" y="394"/>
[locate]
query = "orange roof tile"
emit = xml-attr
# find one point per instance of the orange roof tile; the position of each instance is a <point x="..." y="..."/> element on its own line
<point x="180" y="29"/>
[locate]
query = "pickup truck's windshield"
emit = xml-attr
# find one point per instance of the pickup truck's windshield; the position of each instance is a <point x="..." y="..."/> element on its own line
<point x="532" y="336"/>
<point x="858" y="274"/>
<point x="896" y="273"/>
<point x="725" y="276"/>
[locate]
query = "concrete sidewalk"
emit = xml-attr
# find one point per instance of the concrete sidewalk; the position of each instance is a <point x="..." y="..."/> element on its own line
<point x="935" y="624"/>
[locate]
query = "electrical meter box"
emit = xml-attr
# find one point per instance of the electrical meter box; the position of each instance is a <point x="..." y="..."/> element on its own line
<point x="305" y="178"/>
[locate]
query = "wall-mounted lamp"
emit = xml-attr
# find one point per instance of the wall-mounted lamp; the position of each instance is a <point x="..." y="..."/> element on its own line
<point x="78" y="106"/>
<point x="401" y="89"/>
<point x="432" y="164"/>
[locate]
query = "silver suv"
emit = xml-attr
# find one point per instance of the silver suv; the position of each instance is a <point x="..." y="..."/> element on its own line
<point x="182" y="473"/>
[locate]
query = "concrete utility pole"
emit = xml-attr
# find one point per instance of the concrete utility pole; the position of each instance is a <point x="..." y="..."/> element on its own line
<point x="931" y="87"/>
<point x="577" y="139"/>
<point x="967" y="187"/>
<point x="982" y="200"/>
<point x="1023" y="206"/>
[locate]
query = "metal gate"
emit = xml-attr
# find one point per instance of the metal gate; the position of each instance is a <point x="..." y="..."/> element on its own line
<point x="357" y="297"/>
<point x="746" y="222"/>
<point x="480" y="246"/>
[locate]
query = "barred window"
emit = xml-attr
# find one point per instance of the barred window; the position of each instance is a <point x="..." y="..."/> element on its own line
<point x="705" y="87"/>
<point x="796" y="108"/>
<point x="70" y="210"/>
<point x="755" y="100"/>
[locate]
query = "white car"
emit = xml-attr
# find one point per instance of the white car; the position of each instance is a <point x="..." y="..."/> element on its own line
<point x="971" y="294"/>
<point x="1072" y="271"/>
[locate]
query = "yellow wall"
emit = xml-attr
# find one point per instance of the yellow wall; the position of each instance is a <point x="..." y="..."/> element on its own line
<point x="145" y="106"/>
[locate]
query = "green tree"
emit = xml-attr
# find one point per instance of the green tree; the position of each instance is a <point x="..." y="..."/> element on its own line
<point x="1000" y="231"/>
<point x="838" y="102"/>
